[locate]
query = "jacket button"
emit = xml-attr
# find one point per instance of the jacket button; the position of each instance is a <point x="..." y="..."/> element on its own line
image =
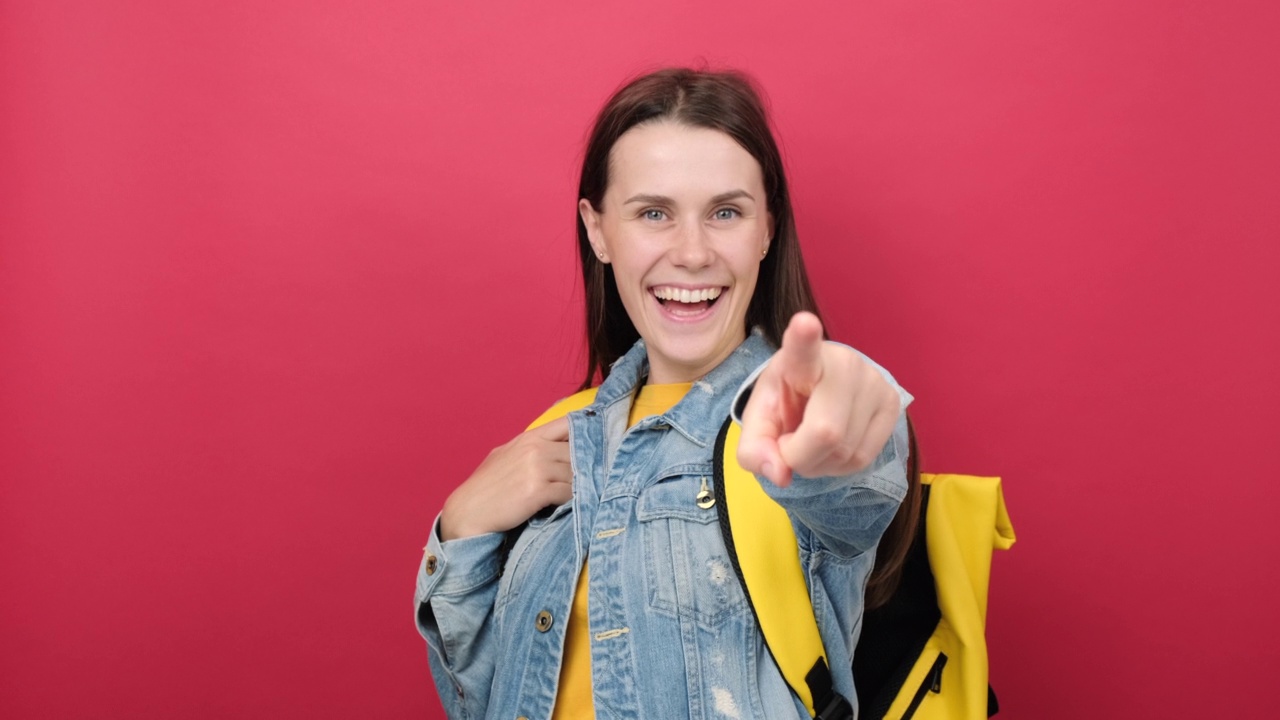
<point x="588" y="413"/>
<point x="431" y="564"/>
<point x="522" y="718"/>
<point x="543" y="621"/>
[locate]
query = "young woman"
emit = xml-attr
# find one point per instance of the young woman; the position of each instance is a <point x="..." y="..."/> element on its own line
<point x="579" y="572"/>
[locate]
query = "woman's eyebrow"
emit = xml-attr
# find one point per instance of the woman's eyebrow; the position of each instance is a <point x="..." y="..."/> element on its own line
<point x="732" y="195"/>
<point x="649" y="199"/>
<point x="664" y="200"/>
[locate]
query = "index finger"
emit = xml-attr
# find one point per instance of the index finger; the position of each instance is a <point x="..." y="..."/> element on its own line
<point x="800" y="357"/>
<point x="761" y="426"/>
<point x="557" y="429"/>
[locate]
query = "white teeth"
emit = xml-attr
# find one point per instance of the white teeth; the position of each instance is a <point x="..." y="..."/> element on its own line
<point x="683" y="295"/>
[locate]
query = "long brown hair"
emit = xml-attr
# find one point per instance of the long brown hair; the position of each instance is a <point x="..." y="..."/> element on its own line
<point x="727" y="101"/>
<point x="895" y="544"/>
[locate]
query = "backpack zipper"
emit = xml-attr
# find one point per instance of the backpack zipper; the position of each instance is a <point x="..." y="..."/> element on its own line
<point x="932" y="683"/>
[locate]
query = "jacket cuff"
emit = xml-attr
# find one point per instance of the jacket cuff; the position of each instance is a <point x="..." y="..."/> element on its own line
<point x="457" y="567"/>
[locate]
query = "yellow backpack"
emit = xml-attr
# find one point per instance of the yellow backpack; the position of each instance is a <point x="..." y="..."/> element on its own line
<point x="923" y="655"/>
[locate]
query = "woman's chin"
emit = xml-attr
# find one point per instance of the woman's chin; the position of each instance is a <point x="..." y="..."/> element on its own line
<point x="687" y="359"/>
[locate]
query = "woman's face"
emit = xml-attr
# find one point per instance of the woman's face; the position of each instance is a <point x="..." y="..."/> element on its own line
<point x="685" y="224"/>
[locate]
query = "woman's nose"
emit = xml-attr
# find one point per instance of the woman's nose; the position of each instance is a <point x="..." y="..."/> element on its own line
<point x="692" y="246"/>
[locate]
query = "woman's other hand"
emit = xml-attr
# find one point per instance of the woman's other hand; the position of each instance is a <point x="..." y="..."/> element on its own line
<point x="515" y="481"/>
<point x="818" y="409"/>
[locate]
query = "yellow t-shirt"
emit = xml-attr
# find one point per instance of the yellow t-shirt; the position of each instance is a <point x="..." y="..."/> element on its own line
<point x="573" y="698"/>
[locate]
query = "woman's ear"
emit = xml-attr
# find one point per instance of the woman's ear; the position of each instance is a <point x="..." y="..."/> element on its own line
<point x="591" y="220"/>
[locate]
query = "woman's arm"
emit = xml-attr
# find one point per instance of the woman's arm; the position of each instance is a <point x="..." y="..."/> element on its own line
<point x="458" y="577"/>
<point x="837" y="421"/>
<point x="847" y="514"/>
<point x="453" y="608"/>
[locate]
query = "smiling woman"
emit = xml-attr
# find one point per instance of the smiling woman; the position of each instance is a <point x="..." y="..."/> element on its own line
<point x="581" y="570"/>
<point x="683" y="227"/>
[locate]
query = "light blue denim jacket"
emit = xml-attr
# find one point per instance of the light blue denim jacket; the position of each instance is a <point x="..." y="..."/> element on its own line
<point x="672" y="635"/>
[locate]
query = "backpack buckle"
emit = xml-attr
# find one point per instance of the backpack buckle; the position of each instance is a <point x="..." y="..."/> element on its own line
<point x="836" y="708"/>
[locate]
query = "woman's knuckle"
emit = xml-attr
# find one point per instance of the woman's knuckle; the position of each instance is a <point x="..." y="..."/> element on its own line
<point x="860" y="458"/>
<point x="826" y="433"/>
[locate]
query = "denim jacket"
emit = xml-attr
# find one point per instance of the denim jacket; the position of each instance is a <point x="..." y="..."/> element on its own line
<point x="672" y="635"/>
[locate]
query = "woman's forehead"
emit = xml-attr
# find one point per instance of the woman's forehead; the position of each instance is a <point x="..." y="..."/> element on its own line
<point x="680" y="161"/>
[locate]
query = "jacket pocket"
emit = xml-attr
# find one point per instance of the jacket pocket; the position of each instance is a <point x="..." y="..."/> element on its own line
<point x="688" y="573"/>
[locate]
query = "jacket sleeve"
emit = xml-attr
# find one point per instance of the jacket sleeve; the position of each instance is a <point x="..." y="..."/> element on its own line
<point x="453" y="607"/>
<point x="848" y="514"/>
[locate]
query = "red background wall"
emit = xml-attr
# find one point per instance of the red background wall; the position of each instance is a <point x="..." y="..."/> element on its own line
<point x="275" y="276"/>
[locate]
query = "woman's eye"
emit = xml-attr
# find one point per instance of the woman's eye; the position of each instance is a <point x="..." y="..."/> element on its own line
<point x="726" y="214"/>
<point x="654" y="214"/>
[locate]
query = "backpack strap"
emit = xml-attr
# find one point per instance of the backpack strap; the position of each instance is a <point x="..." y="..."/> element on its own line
<point x="762" y="546"/>
<point x="766" y="556"/>
<point x="576" y="401"/>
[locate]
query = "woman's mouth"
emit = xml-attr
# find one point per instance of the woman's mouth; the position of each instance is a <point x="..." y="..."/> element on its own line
<point x="686" y="303"/>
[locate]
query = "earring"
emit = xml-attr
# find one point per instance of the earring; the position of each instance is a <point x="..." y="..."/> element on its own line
<point x="764" y="252"/>
<point x="600" y="255"/>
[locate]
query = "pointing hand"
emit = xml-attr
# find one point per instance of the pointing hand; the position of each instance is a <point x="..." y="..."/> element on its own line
<point x="818" y="409"/>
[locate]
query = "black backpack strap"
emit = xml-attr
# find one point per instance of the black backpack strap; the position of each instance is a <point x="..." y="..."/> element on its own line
<point x="830" y="704"/>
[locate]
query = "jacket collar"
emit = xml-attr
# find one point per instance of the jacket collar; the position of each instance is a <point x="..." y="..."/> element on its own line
<point x="699" y="415"/>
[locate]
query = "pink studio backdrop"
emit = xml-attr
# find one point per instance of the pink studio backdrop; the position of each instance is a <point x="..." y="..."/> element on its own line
<point x="275" y="276"/>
